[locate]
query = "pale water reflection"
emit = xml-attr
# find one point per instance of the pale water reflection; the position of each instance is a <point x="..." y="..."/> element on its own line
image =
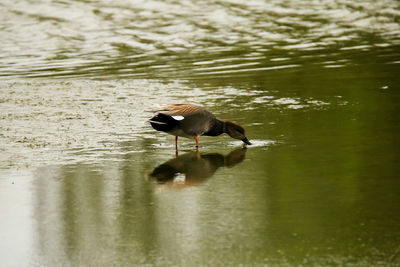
<point x="266" y="208"/>
<point x="105" y="215"/>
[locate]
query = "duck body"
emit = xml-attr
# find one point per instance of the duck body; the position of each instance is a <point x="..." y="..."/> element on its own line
<point x="186" y="121"/>
<point x="191" y="121"/>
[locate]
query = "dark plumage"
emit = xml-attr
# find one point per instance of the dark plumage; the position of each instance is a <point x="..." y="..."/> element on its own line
<point x="191" y="121"/>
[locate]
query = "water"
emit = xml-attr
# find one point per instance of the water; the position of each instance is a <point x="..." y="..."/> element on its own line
<point x="85" y="181"/>
<point x="104" y="39"/>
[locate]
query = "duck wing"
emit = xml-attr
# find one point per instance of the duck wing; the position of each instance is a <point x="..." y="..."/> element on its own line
<point x="183" y="110"/>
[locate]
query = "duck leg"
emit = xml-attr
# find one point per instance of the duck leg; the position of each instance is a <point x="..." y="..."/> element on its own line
<point x="197" y="146"/>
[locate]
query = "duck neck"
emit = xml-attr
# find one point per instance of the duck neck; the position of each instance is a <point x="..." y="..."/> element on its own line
<point x="217" y="128"/>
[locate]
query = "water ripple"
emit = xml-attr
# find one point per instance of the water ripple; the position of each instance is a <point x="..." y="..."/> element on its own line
<point x="164" y="39"/>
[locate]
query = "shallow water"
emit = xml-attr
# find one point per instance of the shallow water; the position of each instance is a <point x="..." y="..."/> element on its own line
<point x="85" y="181"/>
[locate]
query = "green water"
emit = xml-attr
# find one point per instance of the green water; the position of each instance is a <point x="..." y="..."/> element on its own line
<point x="86" y="181"/>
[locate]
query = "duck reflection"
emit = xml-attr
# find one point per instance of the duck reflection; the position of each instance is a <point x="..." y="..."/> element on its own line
<point x="193" y="169"/>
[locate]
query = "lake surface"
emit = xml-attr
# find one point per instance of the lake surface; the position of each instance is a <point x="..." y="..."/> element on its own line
<point x="86" y="181"/>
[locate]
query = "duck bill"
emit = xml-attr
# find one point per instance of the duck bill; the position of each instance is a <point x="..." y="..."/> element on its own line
<point x="246" y="141"/>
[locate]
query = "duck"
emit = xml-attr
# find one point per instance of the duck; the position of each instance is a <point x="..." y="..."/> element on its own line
<point x="192" y="121"/>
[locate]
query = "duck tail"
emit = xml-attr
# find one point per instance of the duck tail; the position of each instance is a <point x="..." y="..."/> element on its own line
<point x="164" y="123"/>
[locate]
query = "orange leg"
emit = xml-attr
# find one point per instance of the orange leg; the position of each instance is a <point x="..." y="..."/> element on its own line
<point x="197" y="146"/>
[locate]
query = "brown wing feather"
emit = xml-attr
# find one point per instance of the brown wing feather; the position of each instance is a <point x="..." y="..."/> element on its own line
<point x="181" y="109"/>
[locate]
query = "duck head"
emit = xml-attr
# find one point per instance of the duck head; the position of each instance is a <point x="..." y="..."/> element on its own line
<point x="236" y="131"/>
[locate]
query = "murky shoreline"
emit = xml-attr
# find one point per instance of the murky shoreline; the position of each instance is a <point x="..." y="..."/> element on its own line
<point x="45" y="121"/>
<point x="54" y="122"/>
